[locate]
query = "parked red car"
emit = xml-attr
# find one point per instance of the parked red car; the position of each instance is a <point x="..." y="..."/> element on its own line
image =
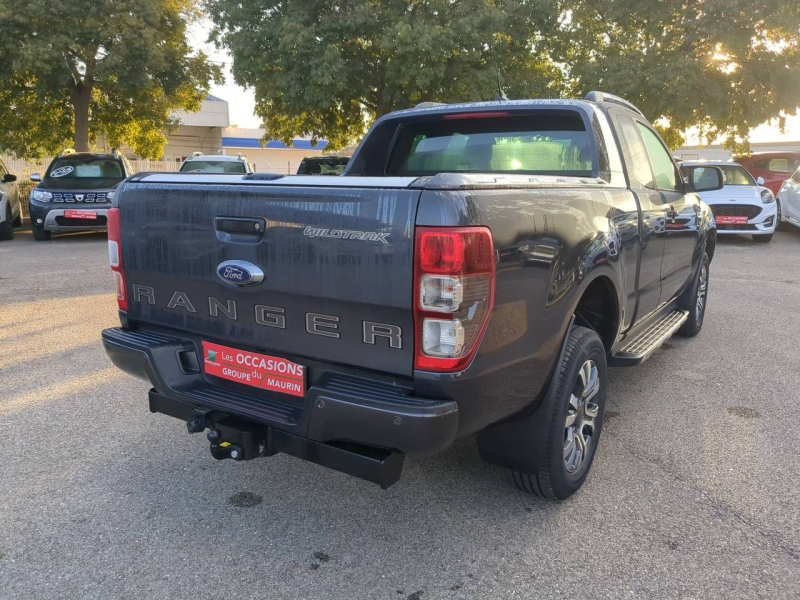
<point x="773" y="167"/>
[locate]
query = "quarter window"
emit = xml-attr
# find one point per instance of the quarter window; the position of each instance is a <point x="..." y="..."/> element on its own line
<point x="664" y="168"/>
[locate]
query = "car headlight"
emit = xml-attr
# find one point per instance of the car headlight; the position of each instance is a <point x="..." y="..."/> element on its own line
<point x="767" y="197"/>
<point x="110" y="195"/>
<point x="41" y="196"/>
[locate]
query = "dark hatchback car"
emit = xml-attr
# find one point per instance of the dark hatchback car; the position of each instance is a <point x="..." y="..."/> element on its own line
<point x="323" y="165"/>
<point x="76" y="192"/>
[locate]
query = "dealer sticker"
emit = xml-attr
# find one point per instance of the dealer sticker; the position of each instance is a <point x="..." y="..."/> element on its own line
<point x="256" y="370"/>
<point x="90" y="215"/>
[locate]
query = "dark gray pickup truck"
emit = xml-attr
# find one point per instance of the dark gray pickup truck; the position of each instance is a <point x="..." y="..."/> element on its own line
<point x="474" y="271"/>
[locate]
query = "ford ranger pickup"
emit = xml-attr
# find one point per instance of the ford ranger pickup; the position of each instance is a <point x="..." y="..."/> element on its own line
<point x="475" y="270"/>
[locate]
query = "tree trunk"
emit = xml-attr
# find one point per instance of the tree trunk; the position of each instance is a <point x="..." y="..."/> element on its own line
<point x="81" y="97"/>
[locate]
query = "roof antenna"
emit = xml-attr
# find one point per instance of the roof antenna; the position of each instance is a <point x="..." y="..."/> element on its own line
<point x="501" y="97"/>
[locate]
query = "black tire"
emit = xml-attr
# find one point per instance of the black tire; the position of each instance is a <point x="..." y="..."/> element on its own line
<point x="18" y="221"/>
<point x="763" y="239"/>
<point x="6" y="227"/>
<point x="691" y="300"/>
<point x="555" y="480"/>
<point x="40" y="235"/>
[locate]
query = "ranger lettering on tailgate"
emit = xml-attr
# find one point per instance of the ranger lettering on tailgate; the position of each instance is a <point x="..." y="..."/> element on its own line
<point x="274" y="316"/>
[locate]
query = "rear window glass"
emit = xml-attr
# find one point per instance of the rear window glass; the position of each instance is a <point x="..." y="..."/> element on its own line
<point x="545" y="144"/>
<point x="212" y="166"/>
<point x="328" y="166"/>
<point x="79" y="167"/>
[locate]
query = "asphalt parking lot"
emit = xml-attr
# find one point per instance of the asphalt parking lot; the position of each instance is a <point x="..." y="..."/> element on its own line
<point x="693" y="493"/>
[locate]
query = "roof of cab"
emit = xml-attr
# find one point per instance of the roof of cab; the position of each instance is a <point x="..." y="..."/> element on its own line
<point x="591" y="100"/>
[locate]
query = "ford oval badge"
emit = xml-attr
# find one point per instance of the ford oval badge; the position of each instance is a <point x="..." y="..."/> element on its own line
<point x="239" y="272"/>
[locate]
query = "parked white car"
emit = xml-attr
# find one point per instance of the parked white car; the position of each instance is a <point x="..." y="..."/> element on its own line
<point x="743" y="205"/>
<point x="10" y="209"/>
<point x="789" y="200"/>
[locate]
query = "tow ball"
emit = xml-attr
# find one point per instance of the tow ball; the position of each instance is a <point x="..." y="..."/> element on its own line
<point x="227" y="440"/>
<point x="221" y="449"/>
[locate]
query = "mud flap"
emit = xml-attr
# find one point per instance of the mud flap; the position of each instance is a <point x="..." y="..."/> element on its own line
<point x="519" y="444"/>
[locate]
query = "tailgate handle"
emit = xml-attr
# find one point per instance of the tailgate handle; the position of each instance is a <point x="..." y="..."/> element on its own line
<point x="239" y="226"/>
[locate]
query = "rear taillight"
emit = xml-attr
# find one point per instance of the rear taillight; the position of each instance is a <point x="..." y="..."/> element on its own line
<point x="115" y="257"/>
<point x="453" y="295"/>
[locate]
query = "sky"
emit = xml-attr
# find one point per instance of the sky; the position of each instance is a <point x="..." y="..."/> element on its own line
<point x="241" y="101"/>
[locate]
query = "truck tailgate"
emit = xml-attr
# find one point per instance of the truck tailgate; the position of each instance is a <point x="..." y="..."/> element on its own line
<point x="340" y="257"/>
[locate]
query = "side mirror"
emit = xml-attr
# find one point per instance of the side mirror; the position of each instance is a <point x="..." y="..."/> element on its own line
<point x="36" y="177"/>
<point x="704" y="179"/>
<point x="760" y="181"/>
<point x="8" y="178"/>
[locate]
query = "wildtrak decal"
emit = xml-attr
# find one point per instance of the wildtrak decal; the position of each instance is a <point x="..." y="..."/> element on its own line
<point x="346" y="234"/>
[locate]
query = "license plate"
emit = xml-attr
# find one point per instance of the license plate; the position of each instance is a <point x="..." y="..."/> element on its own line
<point x="89" y="215"/>
<point x="731" y="220"/>
<point x="256" y="370"/>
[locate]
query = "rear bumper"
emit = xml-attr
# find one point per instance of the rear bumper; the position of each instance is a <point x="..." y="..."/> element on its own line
<point x="337" y="408"/>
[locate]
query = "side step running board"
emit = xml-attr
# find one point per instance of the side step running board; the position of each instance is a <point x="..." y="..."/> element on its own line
<point x="638" y="349"/>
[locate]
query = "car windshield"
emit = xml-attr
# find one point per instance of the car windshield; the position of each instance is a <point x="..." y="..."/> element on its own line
<point x="736" y="175"/>
<point x="213" y="166"/>
<point x="323" y="166"/>
<point x="85" y="167"/>
<point x="545" y="144"/>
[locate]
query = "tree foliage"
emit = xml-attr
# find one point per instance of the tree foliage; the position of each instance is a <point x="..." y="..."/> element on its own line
<point x="75" y="69"/>
<point x="324" y="67"/>
<point x="723" y="66"/>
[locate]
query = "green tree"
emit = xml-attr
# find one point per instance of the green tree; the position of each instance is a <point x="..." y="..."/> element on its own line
<point x="722" y="66"/>
<point x="75" y="69"/>
<point x="324" y="68"/>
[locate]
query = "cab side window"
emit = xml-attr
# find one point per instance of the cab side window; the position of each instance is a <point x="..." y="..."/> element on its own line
<point x="636" y="160"/>
<point x="664" y="168"/>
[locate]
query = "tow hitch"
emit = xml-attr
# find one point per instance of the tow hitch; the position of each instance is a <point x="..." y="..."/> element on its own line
<point x="228" y="438"/>
<point x="242" y="439"/>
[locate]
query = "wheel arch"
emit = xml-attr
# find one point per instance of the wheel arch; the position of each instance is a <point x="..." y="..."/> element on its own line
<point x="599" y="309"/>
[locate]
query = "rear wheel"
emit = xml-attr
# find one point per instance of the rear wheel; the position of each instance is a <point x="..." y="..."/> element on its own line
<point x="18" y="221"/>
<point x="762" y="239"/>
<point x="6" y="227"/>
<point x="40" y="235"/>
<point x="695" y="299"/>
<point x="576" y="419"/>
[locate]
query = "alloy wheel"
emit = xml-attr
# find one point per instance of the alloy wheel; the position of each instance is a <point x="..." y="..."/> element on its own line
<point x="702" y="292"/>
<point x="580" y="425"/>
